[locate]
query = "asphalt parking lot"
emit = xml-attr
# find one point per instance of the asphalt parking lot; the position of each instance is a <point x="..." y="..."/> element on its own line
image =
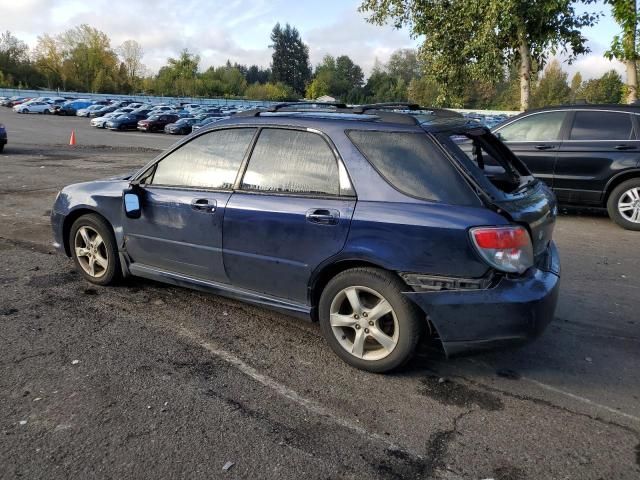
<point x="149" y="381"/>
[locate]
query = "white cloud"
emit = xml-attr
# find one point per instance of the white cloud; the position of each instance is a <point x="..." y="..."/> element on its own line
<point x="236" y="29"/>
<point x="233" y="29"/>
<point x="351" y="35"/>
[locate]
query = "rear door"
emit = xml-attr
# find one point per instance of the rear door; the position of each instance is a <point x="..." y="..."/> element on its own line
<point x="183" y="202"/>
<point x="536" y="139"/>
<point x="290" y="214"/>
<point x="600" y="143"/>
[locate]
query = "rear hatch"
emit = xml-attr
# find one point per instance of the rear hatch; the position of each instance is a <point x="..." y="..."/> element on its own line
<point x="503" y="181"/>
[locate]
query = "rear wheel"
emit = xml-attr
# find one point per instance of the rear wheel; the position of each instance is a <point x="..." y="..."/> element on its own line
<point x="93" y="248"/>
<point x="624" y="204"/>
<point x="367" y="321"/>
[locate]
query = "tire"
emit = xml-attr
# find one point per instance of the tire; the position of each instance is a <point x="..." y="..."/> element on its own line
<point x="26" y="110"/>
<point x="1" y="147"/>
<point x="46" y="112"/>
<point x="624" y="204"/>
<point x="92" y="224"/>
<point x="400" y="328"/>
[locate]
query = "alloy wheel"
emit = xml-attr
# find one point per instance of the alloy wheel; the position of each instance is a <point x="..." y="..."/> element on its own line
<point x="91" y="251"/>
<point x="364" y="323"/>
<point x="629" y="205"/>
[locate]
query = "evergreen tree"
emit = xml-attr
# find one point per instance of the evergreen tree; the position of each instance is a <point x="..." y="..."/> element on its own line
<point x="290" y="61"/>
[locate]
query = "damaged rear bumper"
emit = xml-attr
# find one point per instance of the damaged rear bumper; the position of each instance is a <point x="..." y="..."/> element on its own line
<point x="512" y="312"/>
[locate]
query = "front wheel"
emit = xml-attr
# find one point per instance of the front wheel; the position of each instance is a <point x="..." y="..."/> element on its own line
<point x="367" y="321"/>
<point x="93" y="248"/>
<point x="624" y="204"/>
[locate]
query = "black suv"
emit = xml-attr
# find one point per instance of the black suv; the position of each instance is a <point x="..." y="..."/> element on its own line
<point x="588" y="154"/>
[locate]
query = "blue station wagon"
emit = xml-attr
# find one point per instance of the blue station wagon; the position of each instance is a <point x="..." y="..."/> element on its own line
<point x="384" y="223"/>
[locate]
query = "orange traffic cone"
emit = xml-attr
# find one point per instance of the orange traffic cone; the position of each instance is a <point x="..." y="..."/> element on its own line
<point x="72" y="140"/>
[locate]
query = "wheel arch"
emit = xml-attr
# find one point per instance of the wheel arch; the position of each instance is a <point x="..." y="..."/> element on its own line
<point x="617" y="180"/>
<point x="71" y="218"/>
<point x="326" y="272"/>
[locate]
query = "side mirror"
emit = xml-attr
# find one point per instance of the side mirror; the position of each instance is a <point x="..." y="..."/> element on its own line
<point x="498" y="135"/>
<point x="131" y="204"/>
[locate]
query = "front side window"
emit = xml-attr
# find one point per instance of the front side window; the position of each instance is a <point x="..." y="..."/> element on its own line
<point x="413" y="164"/>
<point x="602" y="126"/>
<point x="209" y="161"/>
<point x="540" y="127"/>
<point x="292" y="161"/>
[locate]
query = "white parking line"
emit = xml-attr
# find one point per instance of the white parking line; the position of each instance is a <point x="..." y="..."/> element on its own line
<point x="288" y="393"/>
<point x="573" y="396"/>
<point x="581" y="399"/>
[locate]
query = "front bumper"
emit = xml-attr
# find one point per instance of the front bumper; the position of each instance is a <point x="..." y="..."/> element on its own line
<point x="57" y="223"/>
<point x="514" y="311"/>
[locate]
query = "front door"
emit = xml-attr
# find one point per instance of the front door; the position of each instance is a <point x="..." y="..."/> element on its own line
<point x="183" y="201"/>
<point x="290" y="214"/>
<point x="535" y="139"/>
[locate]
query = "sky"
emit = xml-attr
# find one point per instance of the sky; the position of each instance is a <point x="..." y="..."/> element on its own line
<point x="239" y="30"/>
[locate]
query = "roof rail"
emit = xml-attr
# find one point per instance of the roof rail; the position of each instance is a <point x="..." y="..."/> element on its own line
<point x="275" y="108"/>
<point x="386" y="106"/>
<point x="280" y="106"/>
<point x="404" y="106"/>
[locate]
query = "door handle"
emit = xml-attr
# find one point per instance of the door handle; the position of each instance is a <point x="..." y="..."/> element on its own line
<point x="625" y="147"/>
<point x="204" y="205"/>
<point x="544" y="147"/>
<point x="323" y="216"/>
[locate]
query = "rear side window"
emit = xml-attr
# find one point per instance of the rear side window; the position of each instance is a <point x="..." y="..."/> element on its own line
<point x="540" y="127"/>
<point x="602" y="126"/>
<point x="292" y="161"/>
<point x="209" y="161"/>
<point x="414" y="165"/>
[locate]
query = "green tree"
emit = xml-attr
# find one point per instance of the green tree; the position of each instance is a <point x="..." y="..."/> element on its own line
<point x="383" y="87"/>
<point x="49" y="59"/>
<point x="181" y="72"/>
<point x="576" y="85"/>
<point x="276" y="92"/>
<point x="15" y="63"/>
<point x="290" y="60"/>
<point x="423" y="91"/>
<point x="131" y="53"/>
<point x="404" y="63"/>
<point x="257" y="74"/>
<point x="606" y="89"/>
<point x="552" y="89"/>
<point x="480" y="38"/>
<point x="87" y="52"/>
<point x="339" y="77"/>
<point x="625" y="47"/>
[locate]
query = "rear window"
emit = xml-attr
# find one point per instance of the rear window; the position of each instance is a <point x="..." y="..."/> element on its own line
<point x="602" y="126"/>
<point x="413" y="164"/>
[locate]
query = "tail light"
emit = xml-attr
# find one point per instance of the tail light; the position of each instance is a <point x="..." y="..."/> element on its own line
<point x="507" y="249"/>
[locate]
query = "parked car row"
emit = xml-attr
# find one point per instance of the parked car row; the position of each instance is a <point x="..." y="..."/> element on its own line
<point x="174" y="119"/>
<point x="171" y="119"/>
<point x="32" y="105"/>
